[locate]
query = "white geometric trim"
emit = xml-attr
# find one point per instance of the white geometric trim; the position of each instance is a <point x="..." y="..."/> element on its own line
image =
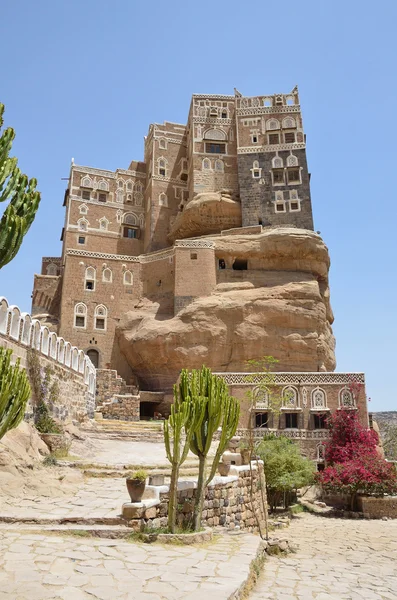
<point x="293" y="378"/>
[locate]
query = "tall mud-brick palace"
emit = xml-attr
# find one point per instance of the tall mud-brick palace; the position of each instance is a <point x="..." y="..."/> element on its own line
<point x="202" y="253"/>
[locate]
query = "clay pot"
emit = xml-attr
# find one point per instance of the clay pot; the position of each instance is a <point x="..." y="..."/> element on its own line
<point x="245" y="455"/>
<point x="135" y="488"/>
<point x="224" y="469"/>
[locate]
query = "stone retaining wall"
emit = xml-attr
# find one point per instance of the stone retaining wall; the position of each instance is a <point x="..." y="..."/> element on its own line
<point x="377" y="508"/>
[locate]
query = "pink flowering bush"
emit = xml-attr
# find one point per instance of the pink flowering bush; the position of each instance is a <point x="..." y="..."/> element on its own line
<point x="354" y="465"/>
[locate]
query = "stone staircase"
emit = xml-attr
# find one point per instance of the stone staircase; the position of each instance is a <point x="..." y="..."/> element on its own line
<point x="139" y="431"/>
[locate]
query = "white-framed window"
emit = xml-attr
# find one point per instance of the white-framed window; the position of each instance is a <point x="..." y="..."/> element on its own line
<point x="120" y="184"/>
<point x="206" y="164"/>
<point x="82" y="224"/>
<point x="102" y="197"/>
<point x="163" y="143"/>
<point x="100" y="317"/>
<point x="294" y="175"/>
<point x="138" y="187"/>
<point x="256" y="170"/>
<point x="273" y="139"/>
<point x="130" y="219"/>
<point x="219" y="165"/>
<point x="120" y="196"/>
<point x="294" y="201"/>
<point x="289" y="123"/>
<point x="86" y="182"/>
<point x="129" y="186"/>
<point x="277" y="162"/>
<point x="103" y="224"/>
<point x="279" y="203"/>
<point x="128" y="278"/>
<point x="119" y="215"/>
<point x="80" y="315"/>
<point x="103" y="185"/>
<point x="290" y="397"/>
<point x="107" y="275"/>
<point x="162" y="166"/>
<point x="83" y="209"/>
<point x="129" y="197"/>
<point x="346" y="398"/>
<point x="289" y="137"/>
<point x="278" y="176"/>
<point x="90" y="279"/>
<point x="272" y="124"/>
<point x="163" y="200"/>
<point x="215" y="134"/>
<point x="292" y="161"/>
<point x="214" y="112"/>
<point x="319" y="399"/>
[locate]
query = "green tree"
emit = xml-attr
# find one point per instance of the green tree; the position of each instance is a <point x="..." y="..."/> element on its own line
<point x="14" y="392"/>
<point x="215" y="409"/>
<point x="285" y="469"/>
<point x="22" y="195"/>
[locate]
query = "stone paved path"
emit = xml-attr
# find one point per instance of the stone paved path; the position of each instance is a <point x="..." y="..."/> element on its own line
<point x="95" y="498"/>
<point x="39" y="567"/>
<point x="336" y="559"/>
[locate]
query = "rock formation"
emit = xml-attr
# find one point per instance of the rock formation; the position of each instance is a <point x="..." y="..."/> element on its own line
<point x="279" y="306"/>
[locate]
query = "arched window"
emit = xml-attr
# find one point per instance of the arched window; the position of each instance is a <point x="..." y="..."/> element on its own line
<point x="90" y="276"/>
<point x="103" y="186"/>
<point x="129" y="186"/>
<point x="162" y="166"/>
<point x="277" y="162"/>
<point x="163" y="200"/>
<point x="120" y="184"/>
<point x="138" y="187"/>
<point x="52" y="269"/>
<point x="272" y="124"/>
<point x="290" y="397"/>
<point x="163" y="143"/>
<point x="261" y="398"/>
<point x="219" y="166"/>
<point x="86" y="182"/>
<point x="103" y="224"/>
<point x="346" y="399"/>
<point x="129" y="197"/>
<point x="82" y="224"/>
<point x="292" y="161"/>
<point x="93" y="355"/>
<point x="107" y="275"/>
<point x="289" y="123"/>
<point x="256" y="171"/>
<point x="120" y="196"/>
<point x="206" y="164"/>
<point x="215" y="134"/>
<point x="128" y="278"/>
<point x="100" y="317"/>
<point x="130" y="219"/>
<point x="80" y="315"/>
<point x="321" y="453"/>
<point x="319" y="399"/>
<point x="83" y="209"/>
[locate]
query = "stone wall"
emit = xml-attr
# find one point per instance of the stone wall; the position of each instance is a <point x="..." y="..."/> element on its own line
<point x="71" y="369"/>
<point x="377" y="508"/>
<point x="227" y="503"/>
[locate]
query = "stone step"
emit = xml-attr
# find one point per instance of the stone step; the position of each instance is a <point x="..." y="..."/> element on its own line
<point x="96" y="530"/>
<point x="63" y="520"/>
<point x="112" y="473"/>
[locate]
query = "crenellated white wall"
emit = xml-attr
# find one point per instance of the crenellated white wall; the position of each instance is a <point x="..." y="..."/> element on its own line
<point x="19" y="329"/>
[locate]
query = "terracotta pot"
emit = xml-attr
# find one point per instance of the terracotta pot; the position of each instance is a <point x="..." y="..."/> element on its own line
<point x="245" y="456"/>
<point x="224" y="469"/>
<point x="135" y="488"/>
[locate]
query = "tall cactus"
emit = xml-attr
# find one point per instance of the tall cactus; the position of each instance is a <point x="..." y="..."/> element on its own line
<point x="178" y="432"/>
<point x="215" y="408"/>
<point x="23" y="197"/>
<point x="14" y="392"/>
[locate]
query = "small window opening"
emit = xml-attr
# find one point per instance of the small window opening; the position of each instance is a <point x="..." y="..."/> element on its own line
<point x="320" y="466"/>
<point x="81" y="239"/>
<point x="224" y="114"/>
<point x="254" y="139"/>
<point x="240" y="264"/>
<point x="193" y="256"/>
<point x="89" y="285"/>
<point x="221" y="264"/>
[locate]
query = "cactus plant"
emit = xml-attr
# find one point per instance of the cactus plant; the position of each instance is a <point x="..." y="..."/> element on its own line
<point x="14" y="392"/>
<point x="178" y="432"/>
<point x="22" y="194"/>
<point x="214" y="408"/>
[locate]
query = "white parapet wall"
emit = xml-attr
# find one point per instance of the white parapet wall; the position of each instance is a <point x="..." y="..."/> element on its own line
<point x="19" y="332"/>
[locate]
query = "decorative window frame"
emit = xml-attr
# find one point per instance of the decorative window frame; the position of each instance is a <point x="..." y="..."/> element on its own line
<point x="83" y="314"/>
<point x="276" y="183"/>
<point x="86" y="182"/>
<point x="313" y="406"/>
<point x="51" y="267"/>
<point x="215" y="135"/>
<point x="256" y="170"/>
<point x="254" y="137"/>
<point x="120" y="184"/>
<point x="289" y="123"/>
<point x="163" y="143"/>
<point x="103" y="221"/>
<point x="103" y="186"/>
<point x="342" y="405"/>
<point x="83" y="209"/>
<point x="204" y="162"/>
<point x="320" y="453"/>
<point x="87" y="278"/>
<point x="273" y="125"/>
<point x="163" y="200"/>
<point x="129" y="185"/>
<point x="107" y="280"/>
<point x="292" y="160"/>
<point x="126" y="276"/>
<point x="261" y="399"/>
<point x="219" y="166"/>
<point x="295" y="181"/>
<point x="162" y="164"/>
<point x="277" y="162"/>
<point x="101" y="312"/>
<point x="83" y="224"/>
<point x="291" y="407"/>
<point x="128" y="217"/>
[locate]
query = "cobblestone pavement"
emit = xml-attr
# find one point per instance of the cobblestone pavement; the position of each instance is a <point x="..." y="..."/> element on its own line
<point x="45" y="567"/>
<point x="336" y="559"/>
<point x="94" y="498"/>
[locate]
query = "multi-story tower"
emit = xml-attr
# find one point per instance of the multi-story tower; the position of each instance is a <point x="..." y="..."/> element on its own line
<point x="252" y="149"/>
<point x="272" y="168"/>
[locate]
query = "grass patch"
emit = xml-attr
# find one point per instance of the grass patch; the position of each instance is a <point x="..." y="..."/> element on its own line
<point x="295" y="509"/>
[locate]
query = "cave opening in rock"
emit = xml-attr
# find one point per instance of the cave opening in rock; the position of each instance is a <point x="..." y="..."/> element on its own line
<point x="240" y="264"/>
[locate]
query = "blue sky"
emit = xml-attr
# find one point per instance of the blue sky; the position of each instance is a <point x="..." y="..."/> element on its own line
<point x="84" y="78"/>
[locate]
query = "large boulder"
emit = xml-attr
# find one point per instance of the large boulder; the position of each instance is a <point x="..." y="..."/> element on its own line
<point x="279" y="306"/>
